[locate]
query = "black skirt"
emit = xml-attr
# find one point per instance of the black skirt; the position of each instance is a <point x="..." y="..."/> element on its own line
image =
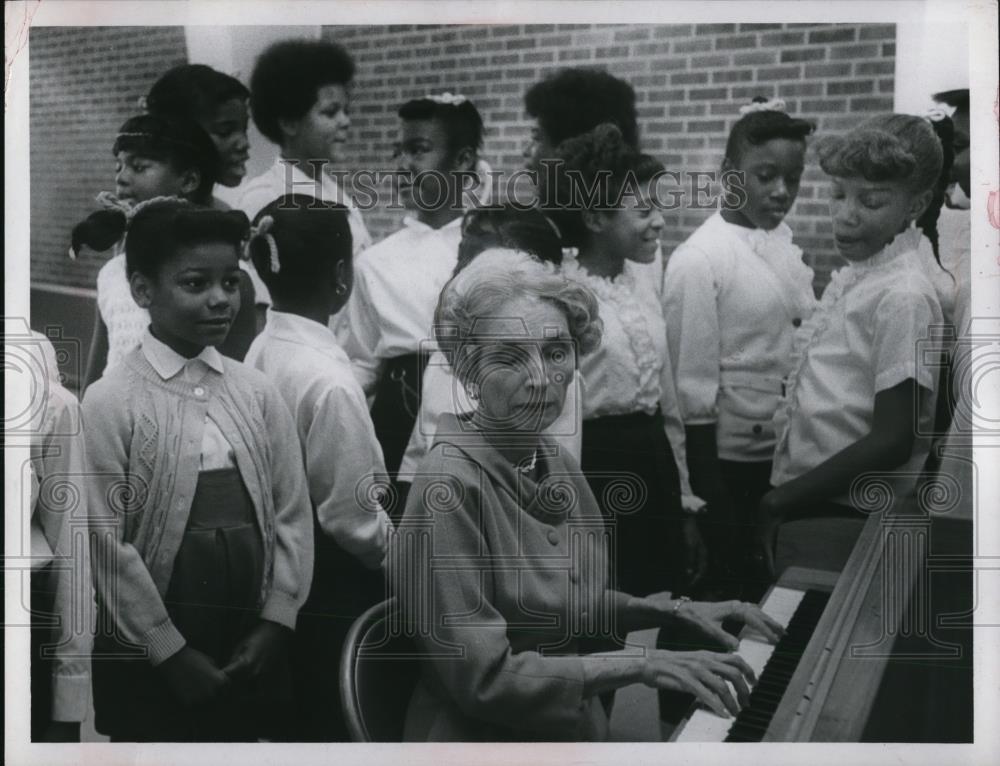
<point x="630" y="467"/>
<point x="213" y="600"/>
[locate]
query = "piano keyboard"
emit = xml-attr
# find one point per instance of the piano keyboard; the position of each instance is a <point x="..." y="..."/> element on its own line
<point x="798" y="612"/>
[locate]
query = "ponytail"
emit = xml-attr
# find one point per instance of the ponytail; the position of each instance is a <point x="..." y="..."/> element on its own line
<point x="99" y="231"/>
<point x="944" y="129"/>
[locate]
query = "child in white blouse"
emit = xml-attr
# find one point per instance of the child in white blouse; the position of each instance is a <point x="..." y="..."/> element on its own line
<point x="156" y="156"/>
<point x="300" y="99"/>
<point x="860" y="398"/>
<point x="631" y="432"/>
<point x="301" y="247"/>
<point x="733" y="295"/>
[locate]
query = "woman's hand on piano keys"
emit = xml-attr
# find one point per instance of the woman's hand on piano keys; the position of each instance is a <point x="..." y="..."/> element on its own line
<point x="703" y="674"/>
<point x="659" y="609"/>
<point x="707" y="616"/>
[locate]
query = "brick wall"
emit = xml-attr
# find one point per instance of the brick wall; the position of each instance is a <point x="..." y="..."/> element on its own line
<point x="690" y="81"/>
<point x="84" y="82"/>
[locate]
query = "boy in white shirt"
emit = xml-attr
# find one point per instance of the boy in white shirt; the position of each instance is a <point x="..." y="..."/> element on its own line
<point x="386" y="327"/>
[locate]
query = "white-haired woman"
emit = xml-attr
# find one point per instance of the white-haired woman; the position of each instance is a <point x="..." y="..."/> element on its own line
<point x="500" y="559"/>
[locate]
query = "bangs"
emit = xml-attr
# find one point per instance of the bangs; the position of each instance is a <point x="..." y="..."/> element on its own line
<point x="143" y="144"/>
<point x="870" y="154"/>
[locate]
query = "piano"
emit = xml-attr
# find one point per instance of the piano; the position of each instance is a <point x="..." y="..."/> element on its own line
<point x="859" y="647"/>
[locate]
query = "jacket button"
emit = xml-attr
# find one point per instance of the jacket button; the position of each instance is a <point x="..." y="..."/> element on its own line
<point x="797" y="322"/>
<point x="553" y="537"/>
<point x="758" y="429"/>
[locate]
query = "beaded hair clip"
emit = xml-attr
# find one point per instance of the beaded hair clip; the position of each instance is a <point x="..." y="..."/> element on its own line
<point x="109" y="201"/>
<point x="263" y="229"/>
<point x="771" y="105"/>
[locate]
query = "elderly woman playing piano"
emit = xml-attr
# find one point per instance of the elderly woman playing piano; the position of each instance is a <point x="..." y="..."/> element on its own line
<point x="500" y="560"/>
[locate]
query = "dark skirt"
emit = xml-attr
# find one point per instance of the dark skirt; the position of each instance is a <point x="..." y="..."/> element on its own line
<point x="396" y="406"/>
<point x="213" y="599"/>
<point x="630" y="467"/>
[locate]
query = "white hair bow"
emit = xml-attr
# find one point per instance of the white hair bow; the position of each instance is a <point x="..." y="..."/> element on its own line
<point x="938" y="112"/>
<point x="771" y="105"/>
<point x="451" y="99"/>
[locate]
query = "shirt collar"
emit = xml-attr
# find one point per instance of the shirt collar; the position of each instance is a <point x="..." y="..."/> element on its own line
<point x="756" y="236"/>
<point x="904" y="242"/>
<point x="168" y="362"/>
<point x="299" y="329"/>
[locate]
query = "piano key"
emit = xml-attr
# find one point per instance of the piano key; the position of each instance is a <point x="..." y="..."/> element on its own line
<point x="798" y="612"/>
<point x="780" y="605"/>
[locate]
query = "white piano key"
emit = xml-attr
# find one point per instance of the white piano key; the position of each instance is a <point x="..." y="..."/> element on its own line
<point x="704" y="725"/>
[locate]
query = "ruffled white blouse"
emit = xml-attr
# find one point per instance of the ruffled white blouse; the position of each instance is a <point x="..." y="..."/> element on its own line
<point x="630" y="371"/>
<point x="873" y="330"/>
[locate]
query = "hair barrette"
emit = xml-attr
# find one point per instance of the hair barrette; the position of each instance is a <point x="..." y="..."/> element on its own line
<point x="938" y="112"/>
<point x="771" y="105"/>
<point x="263" y="229"/>
<point x="110" y="201"/>
<point x="136" y="208"/>
<point x="451" y="99"/>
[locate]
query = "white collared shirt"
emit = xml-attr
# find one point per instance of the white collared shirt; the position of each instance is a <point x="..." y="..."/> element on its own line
<point x="870" y="333"/>
<point x="733" y="298"/>
<point x="216" y="451"/>
<point x="396" y="287"/>
<point x="285" y="177"/>
<point x="343" y="459"/>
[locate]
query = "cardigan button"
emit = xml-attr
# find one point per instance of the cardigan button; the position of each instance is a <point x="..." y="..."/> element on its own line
<point x="758" y="429"/>
<point x="797" y="322"/>
<point x="553" y="537"/>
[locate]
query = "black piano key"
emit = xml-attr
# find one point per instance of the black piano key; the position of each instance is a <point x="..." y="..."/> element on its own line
<point x="752" y="722"/>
